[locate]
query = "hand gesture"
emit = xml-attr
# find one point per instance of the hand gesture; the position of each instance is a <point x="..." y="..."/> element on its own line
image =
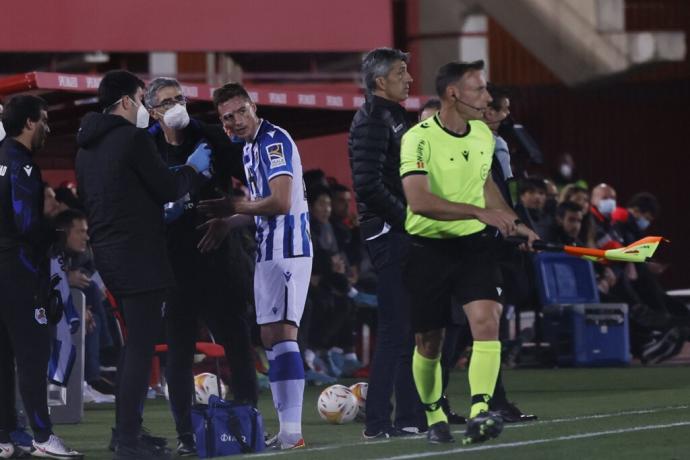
<point x="219" y="207"/>
<point x="78" y="280"/>
<point x="216" y="231"/>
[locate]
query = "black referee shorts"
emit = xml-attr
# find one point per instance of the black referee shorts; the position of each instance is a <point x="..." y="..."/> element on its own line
<point x="438" y="269"/>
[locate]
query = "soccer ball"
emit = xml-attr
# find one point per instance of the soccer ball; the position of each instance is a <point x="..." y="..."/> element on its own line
<point x="337" y="405"/>
<point x="205" y="385"/>
<point x="359" y="390"/>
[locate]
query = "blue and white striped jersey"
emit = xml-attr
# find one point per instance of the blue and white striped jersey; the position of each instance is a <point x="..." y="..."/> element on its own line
<point x="271" y="154"/>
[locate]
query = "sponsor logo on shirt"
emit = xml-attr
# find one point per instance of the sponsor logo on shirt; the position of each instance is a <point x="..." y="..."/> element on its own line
<point x="276" y="155"/>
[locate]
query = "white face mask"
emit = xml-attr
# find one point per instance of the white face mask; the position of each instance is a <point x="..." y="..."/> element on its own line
<point x="142" y="117"/>
<point x="566" y="171"/>
<point x="607" y="206"/>
<point x="2" y="132"/>
<point x="177" y="117"/>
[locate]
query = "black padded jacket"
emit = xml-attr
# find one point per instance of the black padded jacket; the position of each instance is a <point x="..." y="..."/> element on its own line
<point x="374" y="147"/>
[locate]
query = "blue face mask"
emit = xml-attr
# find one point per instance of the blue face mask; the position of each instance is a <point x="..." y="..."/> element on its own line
<point x="642" y="223"/>
<point x="607" y="206"/>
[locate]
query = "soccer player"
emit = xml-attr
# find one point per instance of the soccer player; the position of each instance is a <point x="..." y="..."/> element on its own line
<point x="278" y="207"/>
<point x="451" y="199"/>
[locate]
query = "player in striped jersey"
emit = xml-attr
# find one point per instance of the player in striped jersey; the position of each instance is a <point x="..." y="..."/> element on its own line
<point x="278" y="206"/>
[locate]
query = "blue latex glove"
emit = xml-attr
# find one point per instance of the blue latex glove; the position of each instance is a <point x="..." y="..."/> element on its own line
<point x="201" y="158"/>
<point x="172" y="211"/>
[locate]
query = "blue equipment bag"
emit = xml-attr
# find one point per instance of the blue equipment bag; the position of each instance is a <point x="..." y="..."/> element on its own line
<point x="227" y="428"/>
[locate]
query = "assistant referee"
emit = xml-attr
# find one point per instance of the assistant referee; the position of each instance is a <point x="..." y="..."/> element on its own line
<point x="446" y="166"/>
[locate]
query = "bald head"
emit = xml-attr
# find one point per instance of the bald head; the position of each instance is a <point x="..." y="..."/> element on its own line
<point x="604" y="198"/>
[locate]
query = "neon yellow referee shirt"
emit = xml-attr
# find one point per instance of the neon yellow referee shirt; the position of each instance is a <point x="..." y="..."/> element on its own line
<point x="457" y="167"/>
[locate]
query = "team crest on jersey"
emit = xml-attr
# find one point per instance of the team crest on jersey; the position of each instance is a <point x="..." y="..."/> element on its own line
<point x="276" y="154"/>
<point x="40" y="315"/>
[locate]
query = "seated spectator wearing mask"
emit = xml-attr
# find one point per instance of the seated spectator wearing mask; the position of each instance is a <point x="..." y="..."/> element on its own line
<point x="603" y="206"/>
<point x="530" y="209"/>
<point x="633" y="220"/>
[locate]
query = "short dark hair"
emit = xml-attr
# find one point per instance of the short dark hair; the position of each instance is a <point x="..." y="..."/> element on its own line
<point x="115" y="85"/>
<point x="19" y="109"/>
<point x="498" y="94"/>
<point x="432" y="103"/>
<point x="452" y="72"/>
<point x="567" y="206"/>
<point x="66" y="218"/>
<point x="316" y="191"/>
<point x="337" y="188"/>
<point x="377" y="63"/>
<point x="645" y="202"/>
<point x="531" y="184"/>
<point x="227" y="92"/>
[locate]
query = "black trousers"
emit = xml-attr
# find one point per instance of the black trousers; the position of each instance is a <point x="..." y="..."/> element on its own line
<point x="143" y="314"/>
<point x="24" y="337"/>
<point x="391" y="369"/>
<point x="209" y="289"/>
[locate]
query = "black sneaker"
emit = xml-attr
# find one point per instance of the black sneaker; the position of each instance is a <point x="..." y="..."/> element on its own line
<point x="141" y="450"/>
<point x="439" y="433"/>
<point x="186" y="446"/>
<point x="145" y="436"/>
<point x="483" y="427"/>
<point x="390" y="432"/>
<point x="511" y="413"/>
<point x="453" y="417"/>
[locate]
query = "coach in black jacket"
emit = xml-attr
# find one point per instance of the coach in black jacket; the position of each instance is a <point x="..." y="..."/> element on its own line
<point x="124" y="185"/>
<point x="374" y="144"/>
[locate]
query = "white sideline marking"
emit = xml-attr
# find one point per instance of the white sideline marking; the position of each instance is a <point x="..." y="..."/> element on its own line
<point x="512" y="426"/>
<point x="571" y="437"/>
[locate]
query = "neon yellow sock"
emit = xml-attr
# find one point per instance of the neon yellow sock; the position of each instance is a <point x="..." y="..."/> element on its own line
<point x="483" y="372"/>
<point x="429" y="382"/>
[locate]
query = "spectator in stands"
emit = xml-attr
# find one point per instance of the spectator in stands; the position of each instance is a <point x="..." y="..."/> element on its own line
<point x="603" y="205"/>
<point x="566" y="172"/>
<point x="346" y="229"/>
<point x="212" y="285"/>
<point x="374" y="147"/>
<point x="633" y="221"/>
<point x="25" y="280"/>
<point x="332" y="311"/>
<point x="568" y="224"/>
<point x="124" y="185"/>
<point x="530" y="209"/>
<point x="580" y="196"/>
<point x="551" y="199"/>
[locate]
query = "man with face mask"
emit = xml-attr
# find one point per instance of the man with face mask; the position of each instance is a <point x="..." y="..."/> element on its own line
<point x="124" y="184"/>
<point x="24" y="312"/>
<point x="225" y="285"/>
<point x="603" y="206"/>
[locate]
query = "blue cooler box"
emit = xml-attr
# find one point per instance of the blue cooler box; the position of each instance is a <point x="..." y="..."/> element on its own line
<point x="593" y="334"/>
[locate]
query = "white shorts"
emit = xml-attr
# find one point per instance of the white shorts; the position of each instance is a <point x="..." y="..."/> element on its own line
<point x="280" y="289"/>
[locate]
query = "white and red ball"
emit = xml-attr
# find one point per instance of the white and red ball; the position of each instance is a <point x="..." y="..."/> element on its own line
<point x="359" y="390"/>
<point x="337" y="405"/>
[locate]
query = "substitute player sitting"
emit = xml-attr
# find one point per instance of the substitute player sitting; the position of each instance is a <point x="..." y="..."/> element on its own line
<point x="278" y="207"/>
<point x="446" y="170"/>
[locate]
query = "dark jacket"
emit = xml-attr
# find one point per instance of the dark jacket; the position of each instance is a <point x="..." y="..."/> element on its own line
<point x="374" y="145"/>
<point x="124" y="184"/>
<point x="24" y="233"/>
<point x="182" y="234"/>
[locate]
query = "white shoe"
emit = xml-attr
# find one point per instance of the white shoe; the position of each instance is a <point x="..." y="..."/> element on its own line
<point x="6" y="450"/>
<point x="99" y="397"/>
<point x="54" y="447"/>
